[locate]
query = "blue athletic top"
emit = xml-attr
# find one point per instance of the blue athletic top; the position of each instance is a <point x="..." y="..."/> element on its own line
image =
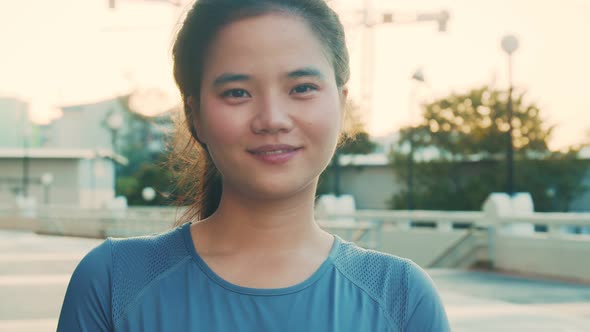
<point x="160" y="283"/>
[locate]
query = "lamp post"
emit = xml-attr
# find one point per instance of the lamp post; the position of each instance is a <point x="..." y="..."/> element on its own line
<point x="510" y="45"/>
<point x="114" y="122"/>
<point x="46" y="181"/>
<point x="418" y="76"/>
<point x="337" y="174"/>
<point x="26" y="166"/>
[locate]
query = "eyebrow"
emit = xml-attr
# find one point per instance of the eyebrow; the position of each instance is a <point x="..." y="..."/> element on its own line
<point x="228" y="78"/>
<point x="302" y="72"/>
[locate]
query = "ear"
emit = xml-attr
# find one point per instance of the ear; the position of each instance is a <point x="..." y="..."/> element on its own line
<point x="343" y="94"/>
<point x="193" y="104"/>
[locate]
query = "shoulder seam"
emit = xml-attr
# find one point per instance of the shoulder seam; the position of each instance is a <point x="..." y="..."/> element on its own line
<point x="407" y="302"/>
<point x="379" y="304"/>
<point x="110" y="242"/>
<point x="139" y="294"/>
<point x="410" y="269"/>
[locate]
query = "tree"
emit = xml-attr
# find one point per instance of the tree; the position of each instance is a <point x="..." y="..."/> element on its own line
<point x="148" y="174"/>
<point x="145" y="166"/>
<point x="460" y="149"/>
<point x="358" y="143"/>
<point x="462" y="125"/>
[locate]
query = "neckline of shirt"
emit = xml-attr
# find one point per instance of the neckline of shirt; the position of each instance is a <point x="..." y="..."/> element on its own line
<point x="328" y="262"/>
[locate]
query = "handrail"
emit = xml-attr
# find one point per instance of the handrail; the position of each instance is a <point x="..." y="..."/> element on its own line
<point x="468" y="234"/>
<point x="444" y="220"/>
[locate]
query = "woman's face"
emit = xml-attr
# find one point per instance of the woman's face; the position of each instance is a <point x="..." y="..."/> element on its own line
<point x="270" y="111"/>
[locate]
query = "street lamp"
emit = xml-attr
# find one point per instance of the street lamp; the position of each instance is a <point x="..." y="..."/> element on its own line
<point x="148" y="194"/>
<point x="418" y="76"/>
<point x="113" y="3"/>
<point x="510" y="45"/>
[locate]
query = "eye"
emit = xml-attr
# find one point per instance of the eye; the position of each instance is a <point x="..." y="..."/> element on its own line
<point x="235" y="93"/>
<point x="304" y="88"/>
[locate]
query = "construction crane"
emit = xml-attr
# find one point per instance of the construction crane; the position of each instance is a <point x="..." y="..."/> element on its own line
<point x="113" y="3"/>
<point x="369" y="19"/>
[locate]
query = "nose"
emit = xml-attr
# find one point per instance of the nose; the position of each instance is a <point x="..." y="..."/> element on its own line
<point x="272" y="116"/>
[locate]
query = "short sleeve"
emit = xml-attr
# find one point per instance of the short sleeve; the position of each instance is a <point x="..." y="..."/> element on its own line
<point x="425" y="308"/>
<point x="87" y="303"/>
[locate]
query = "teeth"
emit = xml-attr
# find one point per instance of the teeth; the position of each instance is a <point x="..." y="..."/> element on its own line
<point x="265" y="153"/>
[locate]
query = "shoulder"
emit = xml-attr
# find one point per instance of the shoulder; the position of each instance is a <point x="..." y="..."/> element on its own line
<point x="159" y="246"/>
<point x="376" y="272"/>
<point x="384" y="277"/>
<point x="112" y="275"/>
<point x="87" y="302"/>
<point x="137" y="261"/>
<point x="425" y="309"/>
<point x="399" y="285"/>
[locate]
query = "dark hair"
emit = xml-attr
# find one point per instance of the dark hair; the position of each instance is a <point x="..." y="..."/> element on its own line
<point x="197" y="176"/>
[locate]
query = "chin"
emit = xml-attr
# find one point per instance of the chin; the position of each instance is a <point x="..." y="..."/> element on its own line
<point x="279" y="189"/>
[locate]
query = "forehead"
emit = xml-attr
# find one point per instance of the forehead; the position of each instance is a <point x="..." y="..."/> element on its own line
<point x="266" y="43"/>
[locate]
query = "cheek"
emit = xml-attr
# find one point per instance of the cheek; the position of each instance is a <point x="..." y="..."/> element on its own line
<point x="324" y="124"/>
<point x="331" y="116"/>
<point x="220" y="125"/>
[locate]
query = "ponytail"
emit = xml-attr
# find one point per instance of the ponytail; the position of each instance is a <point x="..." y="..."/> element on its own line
<point x="198" y="182"/>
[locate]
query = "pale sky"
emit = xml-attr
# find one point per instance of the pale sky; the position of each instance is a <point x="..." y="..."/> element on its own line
<point x="70" y="51"/>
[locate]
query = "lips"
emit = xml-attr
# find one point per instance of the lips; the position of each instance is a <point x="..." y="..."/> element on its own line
<point x="266" y="150"/>
<point x="268" y="153"/>
<point x="276" y="154"/>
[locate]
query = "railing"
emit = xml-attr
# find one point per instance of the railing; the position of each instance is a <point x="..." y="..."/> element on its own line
<point x="556" y="224"/>
<point x="359" y="222"/>
<point x="403" y="219"/>
<point x="440" y="238"/>
<point x="463" y="252"/>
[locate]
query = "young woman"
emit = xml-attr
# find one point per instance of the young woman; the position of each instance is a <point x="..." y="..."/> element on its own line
<point x="263" y="86"/>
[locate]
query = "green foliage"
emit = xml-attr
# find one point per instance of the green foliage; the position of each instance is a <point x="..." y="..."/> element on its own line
<point x="466" y="136"/>
<point x="555" y="181"/>
<point x="461" y="125"/>
<point x="359" y="143"/>
<point x="145" y="166"/>
<point x="152" y="175"/>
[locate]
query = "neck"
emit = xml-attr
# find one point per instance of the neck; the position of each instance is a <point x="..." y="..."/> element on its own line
<point x="245" y="224"/>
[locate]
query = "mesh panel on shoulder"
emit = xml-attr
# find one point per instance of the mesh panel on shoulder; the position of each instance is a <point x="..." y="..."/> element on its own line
<point x="383" y="276"/>
<point x="137" y="261"/>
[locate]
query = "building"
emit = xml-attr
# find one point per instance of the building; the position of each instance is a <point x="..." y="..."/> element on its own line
<point x="368" y="178"/>
<point x="78" y="151"/>
<point x="582" y="203"/>
<point x="372" y="182"/>
<point x="70" y="177"/>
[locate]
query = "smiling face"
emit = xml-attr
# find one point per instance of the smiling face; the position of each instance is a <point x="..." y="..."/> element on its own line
<point x="270" y="112"/>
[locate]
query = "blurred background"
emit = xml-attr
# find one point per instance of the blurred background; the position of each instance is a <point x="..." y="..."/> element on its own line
<point x="472" y="152"/>
<point x="90" y="82"/>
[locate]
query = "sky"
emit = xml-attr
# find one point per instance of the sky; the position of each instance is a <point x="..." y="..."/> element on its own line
<point x="63" y="52"/>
